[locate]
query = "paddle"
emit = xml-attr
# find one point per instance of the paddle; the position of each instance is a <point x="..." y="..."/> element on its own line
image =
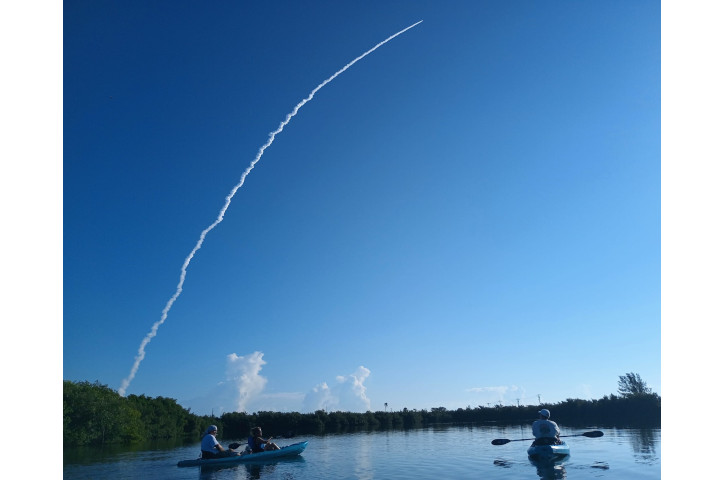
<point x="235" y="445"/>
<point x="504" y="441"/>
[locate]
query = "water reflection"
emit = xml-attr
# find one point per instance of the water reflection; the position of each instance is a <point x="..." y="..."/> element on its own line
<point x="502" y="463"/>
<point x="255" y="471"/>
<point x="644" y="442"/>
<point x="86" y="455"/>
<point x="622" y="452"/>
<point x="250" y="470"/>
<point x="363" y="464"/>
<point x="550" y="471"/>
<point x="545" y="470"/>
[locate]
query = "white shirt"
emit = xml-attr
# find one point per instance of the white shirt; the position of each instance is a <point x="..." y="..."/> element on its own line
<point x="209" y="443"/>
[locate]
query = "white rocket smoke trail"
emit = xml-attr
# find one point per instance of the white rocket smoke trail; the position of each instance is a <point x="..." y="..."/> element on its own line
<point x="142" y="348"/>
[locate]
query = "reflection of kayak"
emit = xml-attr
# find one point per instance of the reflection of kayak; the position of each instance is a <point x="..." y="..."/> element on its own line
<point x="288" y="451"/>
<point x="548" y="452"/>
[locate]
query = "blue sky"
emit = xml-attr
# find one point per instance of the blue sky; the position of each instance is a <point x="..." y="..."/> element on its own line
<point x="468" y="215"/>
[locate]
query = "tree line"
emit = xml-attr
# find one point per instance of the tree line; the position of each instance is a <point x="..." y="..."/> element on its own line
<point x="94" y="414"/>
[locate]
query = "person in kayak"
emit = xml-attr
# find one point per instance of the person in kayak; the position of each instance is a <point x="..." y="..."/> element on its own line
<point x="210" y="446"/>
<point x="259" y="444"/>
<point x="545" y="431"/>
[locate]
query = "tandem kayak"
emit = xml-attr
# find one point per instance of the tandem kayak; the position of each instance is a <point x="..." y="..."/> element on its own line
<point x="288" y="451"/>
<point x="548" y="452"/>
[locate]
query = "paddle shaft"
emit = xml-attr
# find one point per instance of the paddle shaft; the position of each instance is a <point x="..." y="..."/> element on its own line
<point x="504" y="441"/>
<point x="235" y="445"/>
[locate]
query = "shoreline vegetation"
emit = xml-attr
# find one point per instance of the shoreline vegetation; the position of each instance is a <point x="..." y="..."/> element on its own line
<point x="94" y="414"/>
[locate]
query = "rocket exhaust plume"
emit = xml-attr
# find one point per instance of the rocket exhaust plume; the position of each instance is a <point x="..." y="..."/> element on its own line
<point x="164" y="314"/>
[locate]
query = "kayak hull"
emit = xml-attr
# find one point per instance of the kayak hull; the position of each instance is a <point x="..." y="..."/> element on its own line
<point x="284" y="452"/>
<point x="548" y="452"/>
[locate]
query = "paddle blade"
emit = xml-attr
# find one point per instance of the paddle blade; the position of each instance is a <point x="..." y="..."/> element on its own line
<point x="594" y="434"/>
<point x="500" y="441"/>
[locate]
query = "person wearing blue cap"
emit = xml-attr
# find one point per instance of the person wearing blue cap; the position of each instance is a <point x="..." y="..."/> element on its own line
<point x="545" y="431"/>
<point x="210" y="446"/>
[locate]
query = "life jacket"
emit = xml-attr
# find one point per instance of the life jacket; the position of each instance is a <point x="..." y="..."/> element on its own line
<point x="253" y="445"/>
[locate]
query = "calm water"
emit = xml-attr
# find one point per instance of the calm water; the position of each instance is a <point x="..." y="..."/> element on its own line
<point x="454" y="452"/>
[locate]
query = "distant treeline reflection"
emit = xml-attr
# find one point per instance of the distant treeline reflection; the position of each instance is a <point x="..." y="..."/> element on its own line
<point x="94" y="414"/>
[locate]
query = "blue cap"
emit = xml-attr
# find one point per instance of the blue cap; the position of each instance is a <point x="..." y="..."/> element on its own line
<point x="212" y="428"/>
<point x="544" y="413"/>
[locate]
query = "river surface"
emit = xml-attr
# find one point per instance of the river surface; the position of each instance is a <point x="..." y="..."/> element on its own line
<point x="444" y="452"/>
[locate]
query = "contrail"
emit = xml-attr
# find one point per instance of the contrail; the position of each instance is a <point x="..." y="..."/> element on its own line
<point x="154" y="329"/>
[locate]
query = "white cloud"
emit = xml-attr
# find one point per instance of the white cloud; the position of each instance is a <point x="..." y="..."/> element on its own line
<point x="320" y="398"/>
<point x="346" y="394"/>
<point x="241" y="386"/>
<point x="352" y="390"/>
<point x="243" y="373"/>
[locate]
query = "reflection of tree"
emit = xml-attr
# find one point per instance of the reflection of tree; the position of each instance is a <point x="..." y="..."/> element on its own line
<point x="644" y="443"/>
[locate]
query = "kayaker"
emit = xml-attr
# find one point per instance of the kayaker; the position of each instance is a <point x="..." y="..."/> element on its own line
<point x="259" y="444"/>
<point x="545" y="431"/>
<point x="210" y="446"/>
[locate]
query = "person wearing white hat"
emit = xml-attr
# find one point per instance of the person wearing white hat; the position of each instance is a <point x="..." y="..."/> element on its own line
<point x="545" y="431"/>
<point x="210" y="446"/>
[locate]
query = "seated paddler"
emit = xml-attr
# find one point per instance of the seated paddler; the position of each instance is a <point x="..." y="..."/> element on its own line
<point x="210" y="446"/>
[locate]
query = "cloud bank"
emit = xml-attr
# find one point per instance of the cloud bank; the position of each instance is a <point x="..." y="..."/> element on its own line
<point x="243" y="390"/>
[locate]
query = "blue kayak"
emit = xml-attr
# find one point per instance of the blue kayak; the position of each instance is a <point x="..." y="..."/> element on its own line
<point x="284" y="452"/>
<point x="548" y="452"/>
